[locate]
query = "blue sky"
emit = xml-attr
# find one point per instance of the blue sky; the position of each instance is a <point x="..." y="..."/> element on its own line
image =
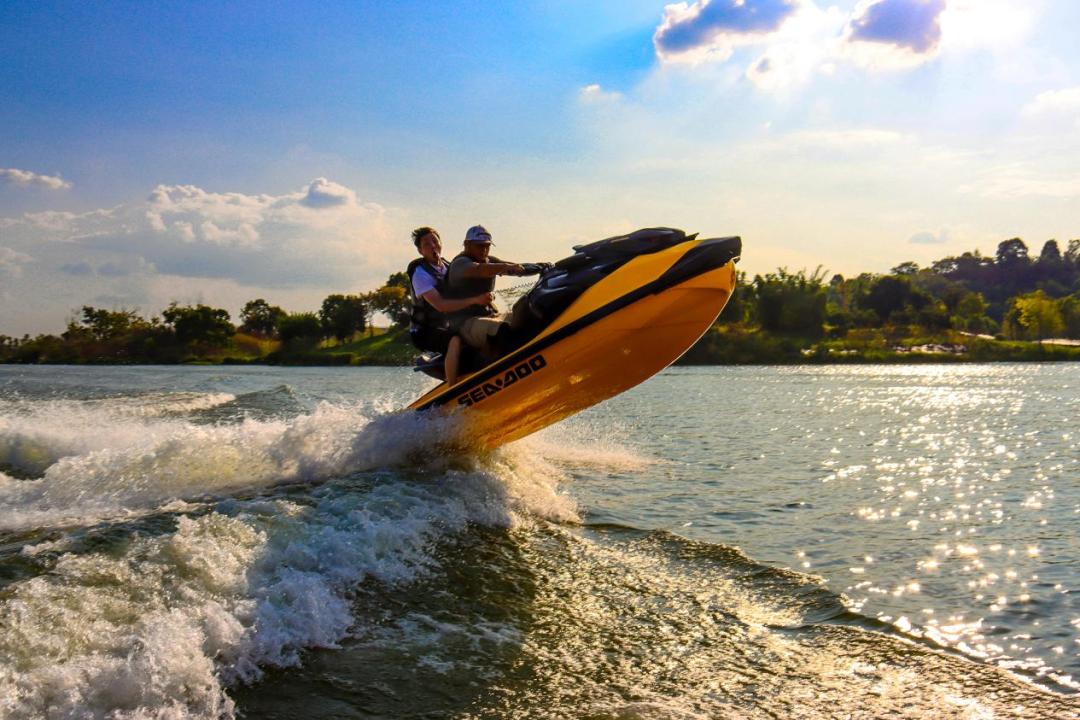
<point x="152" y="152"/>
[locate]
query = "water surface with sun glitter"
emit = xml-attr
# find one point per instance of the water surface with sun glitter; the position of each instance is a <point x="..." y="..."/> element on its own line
<point x="746" y="542"/>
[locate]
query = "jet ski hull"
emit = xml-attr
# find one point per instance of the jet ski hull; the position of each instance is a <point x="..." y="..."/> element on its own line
<point x="620" y="332"/>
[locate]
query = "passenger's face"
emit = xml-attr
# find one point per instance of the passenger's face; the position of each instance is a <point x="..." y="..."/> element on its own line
<point x="431" y="248"/>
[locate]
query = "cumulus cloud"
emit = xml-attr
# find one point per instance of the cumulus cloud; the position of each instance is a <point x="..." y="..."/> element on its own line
<point x="187" y="243"/>
<point x="323" y="193"/>
<point x="26" y="178"/>
<point x="798" y="39"/>
<point x="712" y="29"/>
<point x="804" y="46"/>
<point x="1054" y="102"/>
<point x="319" y="234"/>
<point x="11" y="262"/>
<point x="972" y="24"/>
<point x="911" y="24"/>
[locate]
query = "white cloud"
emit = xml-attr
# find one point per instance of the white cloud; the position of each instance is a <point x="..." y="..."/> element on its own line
<point x="974" y="24"/>
<point x="220" y="247"/>
<point x="323" y="193"/>
<point x="1054" y="102"/>
<point x="805" y="45"/>
<point x="11" y="262"/>
<point x="798" y="39"/>
<point x="26" y="178"/>
<point x="594" y="95"/>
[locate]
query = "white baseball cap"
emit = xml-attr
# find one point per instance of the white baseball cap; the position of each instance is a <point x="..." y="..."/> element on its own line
<point x="478" y="234"/>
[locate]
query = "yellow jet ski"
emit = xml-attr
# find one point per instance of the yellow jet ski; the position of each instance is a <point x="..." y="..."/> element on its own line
<point x="596" y="324"/>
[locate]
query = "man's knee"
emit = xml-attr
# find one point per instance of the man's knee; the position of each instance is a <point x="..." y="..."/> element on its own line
<point x="478" y="332"/>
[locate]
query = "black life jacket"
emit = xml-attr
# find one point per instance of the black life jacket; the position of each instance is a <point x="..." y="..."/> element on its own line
<point x="458" y="287"/>
<point x="424" y="315"/>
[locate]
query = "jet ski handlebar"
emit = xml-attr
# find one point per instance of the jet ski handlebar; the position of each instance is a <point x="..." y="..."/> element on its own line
<point x="535" y="268"/>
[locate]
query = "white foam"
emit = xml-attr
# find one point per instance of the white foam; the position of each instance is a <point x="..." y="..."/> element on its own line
<point x="165" y="627"/>
<point x="143" y="466"/>
<point x="578" y="444"/>
<point x="162" y="626"/>
<point x="97" y="462"/>
<point x="35" y="435"/>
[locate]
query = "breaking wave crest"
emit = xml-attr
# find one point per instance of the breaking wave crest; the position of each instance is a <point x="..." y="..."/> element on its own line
<point x="89" y="471"/>
<point x="162" y="622"/>
<point x="35" y="435"/>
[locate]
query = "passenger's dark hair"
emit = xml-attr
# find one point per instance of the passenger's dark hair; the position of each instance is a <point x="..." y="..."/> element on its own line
<point x="420" y="232"/>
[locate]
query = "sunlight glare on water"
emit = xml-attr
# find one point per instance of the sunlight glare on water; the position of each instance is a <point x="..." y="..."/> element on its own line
<point x="793" y="542"/>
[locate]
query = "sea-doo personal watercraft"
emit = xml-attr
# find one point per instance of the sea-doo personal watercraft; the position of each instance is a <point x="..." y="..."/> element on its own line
<point x="597" y="323"/>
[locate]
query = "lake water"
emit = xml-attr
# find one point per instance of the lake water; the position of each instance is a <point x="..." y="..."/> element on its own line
<point x="744" y="542"/>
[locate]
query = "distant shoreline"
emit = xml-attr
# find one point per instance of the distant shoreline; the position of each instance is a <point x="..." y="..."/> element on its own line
<point x="723" y="344"/>
<point x="999" y="352"/>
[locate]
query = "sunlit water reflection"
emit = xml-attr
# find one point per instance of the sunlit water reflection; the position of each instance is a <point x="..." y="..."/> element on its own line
<point x="943" y="499"/>
<point x="720" y="542"/>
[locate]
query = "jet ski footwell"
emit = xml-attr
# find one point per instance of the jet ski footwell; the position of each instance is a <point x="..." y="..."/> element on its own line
<point x="621" y="331"/>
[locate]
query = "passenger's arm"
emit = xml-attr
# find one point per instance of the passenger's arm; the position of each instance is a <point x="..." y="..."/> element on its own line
<point x="446" y="305"/>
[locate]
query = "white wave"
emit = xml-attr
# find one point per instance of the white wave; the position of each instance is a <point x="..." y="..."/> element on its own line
<point x="148" y="405"/>
<point x="603" y="455"/>
<point x="579" y="443"/>
<point x="163" y="628"/>
<point x="145" y="465"/>
<point x="35" y="435"/>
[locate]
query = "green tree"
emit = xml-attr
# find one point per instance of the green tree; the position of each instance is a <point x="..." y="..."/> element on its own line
<point x="301" y="330"/>
<point x="1070" y="315"/>
<point x="259" y="317"/>
<point x="891" y="293"/>
<point x="342" y="316"/>
<point x="790" y="302"/>
<point x="199" y="325"/>
<point x="1037" y="316"/>
<point x="1051" y="253"/>
<point x="109" y="324"/>
<point x="970" y="315"/>
<point x="399" y="279"/>
<point x="1072" y="255"/>
<point x="1011" y="253"/>
<point x="392" y="301"/>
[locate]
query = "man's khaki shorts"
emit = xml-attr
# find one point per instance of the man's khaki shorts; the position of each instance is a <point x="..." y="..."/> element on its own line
<point x="478" y="331"/>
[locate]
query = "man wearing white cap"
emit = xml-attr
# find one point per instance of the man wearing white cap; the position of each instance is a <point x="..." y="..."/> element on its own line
<point x="471" y="273"/>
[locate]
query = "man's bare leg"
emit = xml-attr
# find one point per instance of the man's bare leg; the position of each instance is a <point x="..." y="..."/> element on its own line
<point x="452" y="359"/>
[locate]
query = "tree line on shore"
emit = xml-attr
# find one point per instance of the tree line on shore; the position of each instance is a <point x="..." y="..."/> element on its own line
<point x="1010" y="295"/>
<point x="191" y="332"/>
